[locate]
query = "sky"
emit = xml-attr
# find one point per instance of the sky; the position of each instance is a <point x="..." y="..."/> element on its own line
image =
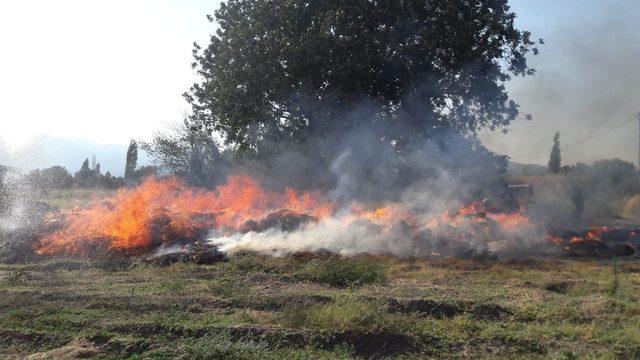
<point x="104" y="70"/>
<point x="112" y="70"/>
<point x="587" y="85"/>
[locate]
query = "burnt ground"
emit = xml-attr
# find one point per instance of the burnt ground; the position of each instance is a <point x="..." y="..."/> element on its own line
<point x="305" y="306"/>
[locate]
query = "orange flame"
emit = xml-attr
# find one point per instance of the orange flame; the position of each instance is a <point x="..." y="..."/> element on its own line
<point x="476" y="212"/>
<point x="386" y="215"/>
<point x="168" y="209"/>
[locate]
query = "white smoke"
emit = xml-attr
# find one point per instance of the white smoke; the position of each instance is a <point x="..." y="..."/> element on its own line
<point x="352" y="237"/>
<point x="16" y="197"/>
<point x="349" y="233"/>
<point x="328" y="234"/>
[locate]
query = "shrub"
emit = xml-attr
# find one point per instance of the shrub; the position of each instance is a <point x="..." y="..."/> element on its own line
<point x="223" y="346"/>
<point x="227" y="286"/>
<point x="246" y="262"/>
<point x="342" y="272"/>
<point x="17" y="278"/>
<point x="347" y="315"/>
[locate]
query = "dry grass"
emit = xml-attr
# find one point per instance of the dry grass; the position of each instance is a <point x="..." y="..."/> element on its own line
<point x="75" y="197"/>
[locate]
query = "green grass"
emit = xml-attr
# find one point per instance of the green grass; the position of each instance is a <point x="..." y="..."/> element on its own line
<point x="322" y="307"/>
<point x="343" y="272"/>
<point x="348" y="315"/>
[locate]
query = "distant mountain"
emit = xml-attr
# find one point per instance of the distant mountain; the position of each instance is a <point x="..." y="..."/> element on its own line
<point x="46" y="151"/>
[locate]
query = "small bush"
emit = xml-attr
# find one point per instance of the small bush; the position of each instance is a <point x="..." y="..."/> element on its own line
<point x="226" y="286"/>
<point x="174" y="286"/>
<point x="346" y="315"/>
<point x="17" y="278"/>
<point x="219" y="347"/>
<point x="232" y="289"/>
<point x="343" y="272"/>
<point x="615" y="282"/>
<point x="222" y="346"/>
<point x="247" y="262"/>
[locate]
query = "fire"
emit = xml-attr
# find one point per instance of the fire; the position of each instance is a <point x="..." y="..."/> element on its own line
<point x="512" y="222"/>
<point x="386" y="215"/>
<point x="168" y="209"/>
<point x="476" y="212"/>
<point x="596" y="242"/>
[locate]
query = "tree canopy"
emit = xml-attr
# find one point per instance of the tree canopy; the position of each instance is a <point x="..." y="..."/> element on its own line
<point x="288" y="70"/>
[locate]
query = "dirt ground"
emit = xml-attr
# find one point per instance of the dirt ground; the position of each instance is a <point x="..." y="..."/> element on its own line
<point x="299" y="307"/>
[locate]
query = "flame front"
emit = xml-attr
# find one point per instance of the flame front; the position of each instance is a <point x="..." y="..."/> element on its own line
<point x="168" y="209"/>
<point x="163" y="211"/>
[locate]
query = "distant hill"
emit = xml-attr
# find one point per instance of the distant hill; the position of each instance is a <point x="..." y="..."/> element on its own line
<point x="46" y="151"/>
<point x="518" y="169"/>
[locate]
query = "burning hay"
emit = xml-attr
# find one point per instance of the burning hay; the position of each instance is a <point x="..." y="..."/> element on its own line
<point x="196" y="253"/>
<point x="177" y="223"/>
<point x="165" y="220"/>
<point x="597" y="242"/>
<point x="167" y="212"/>
<point x="242" y="215"/>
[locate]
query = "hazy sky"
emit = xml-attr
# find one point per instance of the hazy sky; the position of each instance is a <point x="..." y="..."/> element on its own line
<point x="106" y="70"/>
<point x="588" y="82"/>
<point x="109" y="70"/>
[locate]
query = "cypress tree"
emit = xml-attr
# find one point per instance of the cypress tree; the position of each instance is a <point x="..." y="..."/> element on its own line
<point x="83" y="177"/>
<point x="85" y="166"/>
<point x="554" y="157"/>
<point x="132" y="161"/>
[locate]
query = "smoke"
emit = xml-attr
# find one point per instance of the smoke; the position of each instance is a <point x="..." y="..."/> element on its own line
<point x="586" y="83"/>
<point x="396" y="201"/>
<point x="16" y="197"/>
<point x="460" y="235"/>
<point x="377" y="159"/>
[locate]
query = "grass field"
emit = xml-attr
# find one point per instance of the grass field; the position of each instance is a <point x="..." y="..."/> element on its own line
<point x="257" y="307"/>
<point x="74" y="197"/>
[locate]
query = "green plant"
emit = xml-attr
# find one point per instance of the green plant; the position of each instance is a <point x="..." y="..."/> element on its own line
<point x="17" y="278"/>
<point x="176" y="286"/>
<point x="221" y="347"/>
<point x="347" y="315"/>
<point x="567" y="355"/>
<point x="246" y="262"/>
<point x="615" y="282"/>
<point x="230" y="288"/>
<point x="343" y="272"/>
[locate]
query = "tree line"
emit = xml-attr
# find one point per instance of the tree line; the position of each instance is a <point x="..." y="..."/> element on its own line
<point x="90" y="175"/>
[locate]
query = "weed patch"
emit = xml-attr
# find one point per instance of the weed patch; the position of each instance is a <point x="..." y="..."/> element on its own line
<point x="17" y="278"/>
<point x="344" y="272"/>
<point x="346" y="315"/>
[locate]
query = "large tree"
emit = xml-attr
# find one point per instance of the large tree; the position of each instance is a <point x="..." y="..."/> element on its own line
<point x="291" y="70"/>
<point x="190" y="153"/>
